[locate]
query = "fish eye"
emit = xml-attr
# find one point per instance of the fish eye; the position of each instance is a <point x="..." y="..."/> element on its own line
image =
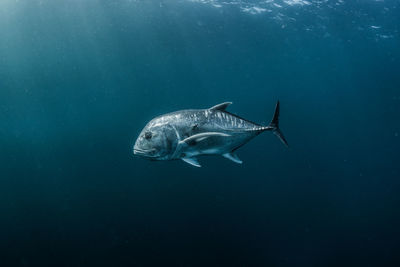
<point x="148" y="135"/>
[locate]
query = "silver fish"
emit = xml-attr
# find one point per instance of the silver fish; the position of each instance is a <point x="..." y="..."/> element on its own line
<point x="186" y="134"/>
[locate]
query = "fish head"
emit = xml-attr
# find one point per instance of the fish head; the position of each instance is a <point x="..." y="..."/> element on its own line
<point x="157" y="141"/>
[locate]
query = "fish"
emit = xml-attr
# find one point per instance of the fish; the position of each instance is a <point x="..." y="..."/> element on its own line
<point x="187" y="134"/>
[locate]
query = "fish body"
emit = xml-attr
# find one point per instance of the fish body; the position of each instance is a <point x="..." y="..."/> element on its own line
<point x="187" y="134"/>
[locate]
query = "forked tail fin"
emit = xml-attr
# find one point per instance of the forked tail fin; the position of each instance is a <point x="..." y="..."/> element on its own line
<point x="274" y="126"/>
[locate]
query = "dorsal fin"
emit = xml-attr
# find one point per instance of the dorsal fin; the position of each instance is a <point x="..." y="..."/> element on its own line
<point x="221" y="106"/>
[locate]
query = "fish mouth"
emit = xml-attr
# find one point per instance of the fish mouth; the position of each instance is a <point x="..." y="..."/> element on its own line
<point x="143" y="152"/>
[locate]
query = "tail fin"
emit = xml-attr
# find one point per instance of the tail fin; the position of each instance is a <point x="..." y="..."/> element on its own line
<point x="274" y="126"/>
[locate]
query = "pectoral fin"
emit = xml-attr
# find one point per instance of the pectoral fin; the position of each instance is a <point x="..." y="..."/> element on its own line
<point x="201" y="136"/>
<point x="192" y="161"/>
<point x="232" y="156"/>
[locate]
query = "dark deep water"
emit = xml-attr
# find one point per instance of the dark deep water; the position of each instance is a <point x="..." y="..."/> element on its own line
<point x="79" y="80"/>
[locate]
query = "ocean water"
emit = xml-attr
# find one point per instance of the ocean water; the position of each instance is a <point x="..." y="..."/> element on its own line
<point x="80" y="79"/>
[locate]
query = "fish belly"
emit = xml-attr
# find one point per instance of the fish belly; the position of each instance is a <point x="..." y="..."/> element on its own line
<point x="218" y="145"/>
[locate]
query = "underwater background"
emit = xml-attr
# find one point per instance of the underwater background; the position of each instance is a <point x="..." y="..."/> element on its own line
<point x="80" y="79"/>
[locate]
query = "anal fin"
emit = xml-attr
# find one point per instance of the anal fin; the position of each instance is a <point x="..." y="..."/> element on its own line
<point x="232" y="156"/>
<point x="192" y="161"/>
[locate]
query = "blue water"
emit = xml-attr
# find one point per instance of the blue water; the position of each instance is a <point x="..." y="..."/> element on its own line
<point x="80" y="79"/>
